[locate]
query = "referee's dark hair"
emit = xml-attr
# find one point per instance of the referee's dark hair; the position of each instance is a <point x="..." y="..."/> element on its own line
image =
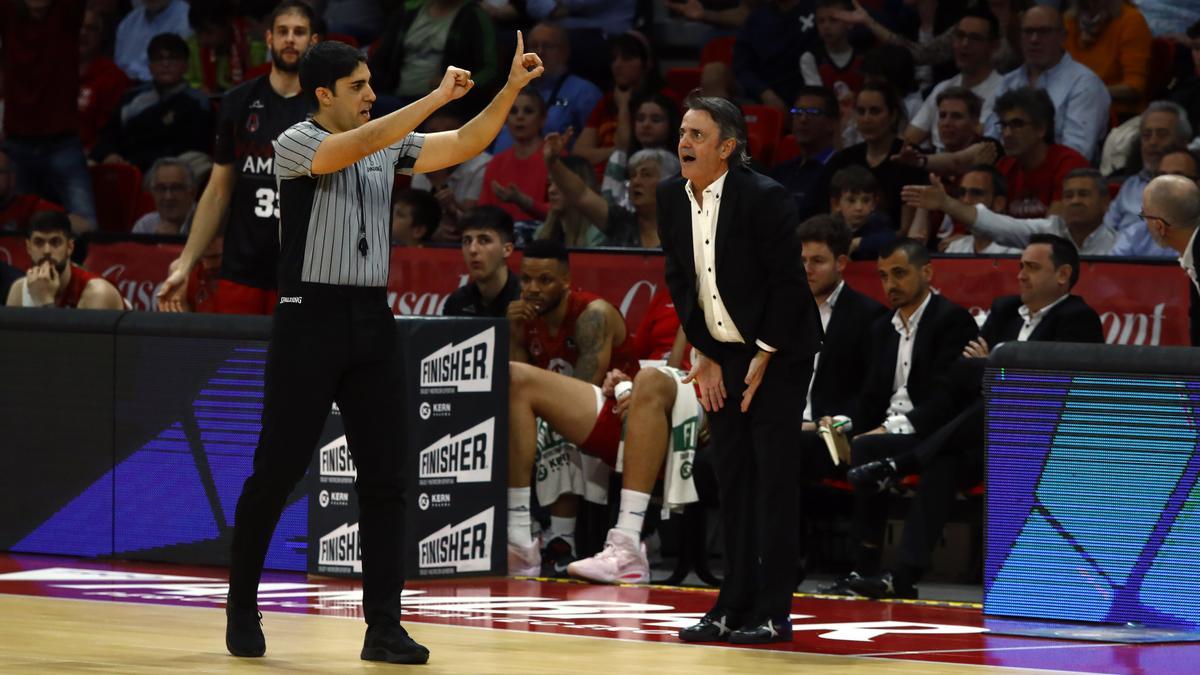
<point x="326" y="63"/>
<point x="488" y="217"/>
<point x="547" y="249"/>
<point x="1062" y="252"/>
<point x="826" y="229"/>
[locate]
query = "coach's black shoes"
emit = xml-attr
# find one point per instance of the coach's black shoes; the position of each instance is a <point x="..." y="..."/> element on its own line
<point x="715" y="626"/>
<point x="391" y="643"/>
<point x="243" y="632"/>
<point x="771" y="630"/>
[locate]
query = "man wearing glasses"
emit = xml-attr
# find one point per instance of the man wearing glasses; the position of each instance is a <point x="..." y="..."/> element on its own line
<point x="1171" y="209"/>
<point x="814" y="126"/>
<point x="1081" y="99"/>
<point x="975" y="41"/>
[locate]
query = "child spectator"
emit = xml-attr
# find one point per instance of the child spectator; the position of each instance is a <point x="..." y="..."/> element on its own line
<point x="854" y="196"/>
<point x="833" y="59"/>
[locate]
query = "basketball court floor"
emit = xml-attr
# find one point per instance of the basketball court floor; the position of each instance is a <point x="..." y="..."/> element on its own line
<point x="65" y="615"/>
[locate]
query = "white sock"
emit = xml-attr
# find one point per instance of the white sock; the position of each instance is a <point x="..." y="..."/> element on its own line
<point x="633" y="513"/>
<point x="563" y="528"/>
<point x="519" y="523"/>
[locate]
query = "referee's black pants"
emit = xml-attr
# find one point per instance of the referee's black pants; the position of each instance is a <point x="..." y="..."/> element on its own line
<point x="757" y="463"/>
<point x="337" y="344"/>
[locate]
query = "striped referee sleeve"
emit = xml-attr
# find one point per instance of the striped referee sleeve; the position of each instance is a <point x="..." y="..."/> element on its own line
<point x="404" y="154"/>
<point x="294" y="149"/>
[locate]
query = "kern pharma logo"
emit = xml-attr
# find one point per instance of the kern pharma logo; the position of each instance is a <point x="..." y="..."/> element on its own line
<point x="457" y="548"/>
<point x="341" y="548"/>
<point x="462" y="367"/>
<point x="466" y="457"/>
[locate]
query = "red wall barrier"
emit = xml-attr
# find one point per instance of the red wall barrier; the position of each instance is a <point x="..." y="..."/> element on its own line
<point x="1140" y="303"/>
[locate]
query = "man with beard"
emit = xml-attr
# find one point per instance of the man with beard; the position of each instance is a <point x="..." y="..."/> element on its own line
<point x="242" y="180"/>
<point x="574" y="333"/>
<point x="907" y="394"/>
<point x="53" y="280"/>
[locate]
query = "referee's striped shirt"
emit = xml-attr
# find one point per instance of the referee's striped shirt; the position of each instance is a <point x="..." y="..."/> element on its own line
<point x="322" y="218"/>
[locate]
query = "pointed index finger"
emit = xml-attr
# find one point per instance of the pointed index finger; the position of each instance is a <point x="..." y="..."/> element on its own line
<point x="520" y="44"/>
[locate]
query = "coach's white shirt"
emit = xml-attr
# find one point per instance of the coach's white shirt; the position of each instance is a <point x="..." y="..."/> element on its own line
<point x="1033" y="319"/>
<point x="704" y="252"/>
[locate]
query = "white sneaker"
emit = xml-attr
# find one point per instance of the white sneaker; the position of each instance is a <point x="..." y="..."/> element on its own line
<point x="623" y="561"/>
<point x="524" y="561"/>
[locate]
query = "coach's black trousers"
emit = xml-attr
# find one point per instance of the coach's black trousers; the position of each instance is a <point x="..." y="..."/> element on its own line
<point x="757" y="462"/>
<point x="336" y="344"/>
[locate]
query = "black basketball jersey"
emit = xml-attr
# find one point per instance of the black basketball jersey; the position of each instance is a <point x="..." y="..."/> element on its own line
<point x="252" y="116"/>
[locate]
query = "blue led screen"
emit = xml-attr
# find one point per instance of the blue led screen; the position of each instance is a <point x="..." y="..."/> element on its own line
<point x="1093" y="503"/>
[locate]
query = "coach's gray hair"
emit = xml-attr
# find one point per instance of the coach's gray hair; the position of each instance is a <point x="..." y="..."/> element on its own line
<point x="148" y="181"/>
<point x="1183" y="127"/>
<point x="730" y="122"/>
<point x="668" y="163"/>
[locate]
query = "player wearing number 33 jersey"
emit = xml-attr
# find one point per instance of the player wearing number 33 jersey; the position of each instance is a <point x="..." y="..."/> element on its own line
<point x="241" y="191"/>
<point x="252" y="115"/>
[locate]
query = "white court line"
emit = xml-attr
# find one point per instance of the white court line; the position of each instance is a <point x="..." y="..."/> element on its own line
<point x="1005" y="649"/>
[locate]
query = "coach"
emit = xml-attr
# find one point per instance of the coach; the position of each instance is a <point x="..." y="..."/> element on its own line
<point x="734" y="270"/>
<point x="334" y="337"/>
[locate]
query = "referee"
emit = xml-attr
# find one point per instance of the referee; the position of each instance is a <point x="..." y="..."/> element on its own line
<point x="333" y="338"/>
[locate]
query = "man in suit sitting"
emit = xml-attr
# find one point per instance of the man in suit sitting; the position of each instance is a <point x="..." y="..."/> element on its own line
<point x="908" y="392"/>
<point x="841" y="367"/>
<point x="952" y="458"/>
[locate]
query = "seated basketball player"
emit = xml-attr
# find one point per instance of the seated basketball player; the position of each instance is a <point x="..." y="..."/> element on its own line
<point x="576" y="334"/>
<point x="660" y="413"/>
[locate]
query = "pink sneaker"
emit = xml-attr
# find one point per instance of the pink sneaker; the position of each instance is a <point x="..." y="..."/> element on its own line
<point x="623" y="561"/>
<point x="524" y="561"/>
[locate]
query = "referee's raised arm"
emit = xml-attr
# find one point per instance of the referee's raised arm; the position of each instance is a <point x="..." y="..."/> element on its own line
<point x="351" y="138"/>
<point x="449" y="148"/>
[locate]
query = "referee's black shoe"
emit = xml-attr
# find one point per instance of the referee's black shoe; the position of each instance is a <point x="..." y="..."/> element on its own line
<point x="716" y="626"/>
<point x="392" y="644"/>
<point x="243" y="632"/>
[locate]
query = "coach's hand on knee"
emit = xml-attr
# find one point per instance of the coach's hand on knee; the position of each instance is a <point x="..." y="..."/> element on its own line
<point x="707" y="374"/>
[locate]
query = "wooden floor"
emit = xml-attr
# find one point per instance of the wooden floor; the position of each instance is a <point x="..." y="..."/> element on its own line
<point x="58" y="635"/>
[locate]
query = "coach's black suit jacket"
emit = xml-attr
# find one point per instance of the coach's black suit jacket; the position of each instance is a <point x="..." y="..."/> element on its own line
<point x="758" y="267"/>
<point x="944" y="329"/>
<point x="845" y="354"/>
<point x="762" y="282"/>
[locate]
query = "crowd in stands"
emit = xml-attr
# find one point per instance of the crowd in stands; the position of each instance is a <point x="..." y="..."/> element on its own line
<point x="900" y="128"/>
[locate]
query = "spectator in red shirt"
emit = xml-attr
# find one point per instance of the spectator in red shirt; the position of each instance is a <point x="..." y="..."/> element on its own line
<point x="515" y="180"/>
<point x="101" y="82"/>
<point x="40" y="65"/>
<point x="1034" y="165"/>
<point x="16" y="208"/>
<point x="634" y="72"/>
